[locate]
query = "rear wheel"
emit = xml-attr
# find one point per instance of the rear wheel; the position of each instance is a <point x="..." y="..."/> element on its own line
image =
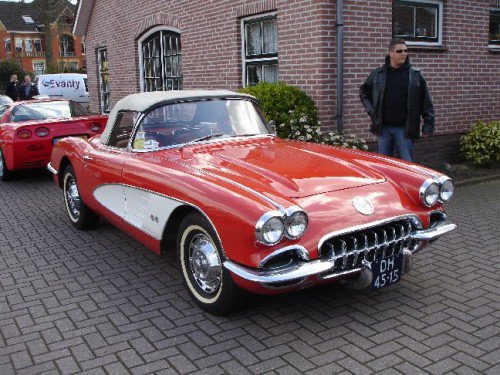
<point x="200" y="255"/>
<point x="79" y="214"/>
<point x="5" y="174"/>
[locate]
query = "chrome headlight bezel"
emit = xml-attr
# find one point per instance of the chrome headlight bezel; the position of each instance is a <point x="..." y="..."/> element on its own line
<point x="264" y="221"/>
<point x="443" y="181"/>
<point x="424" y="191"/>
<point x="290" y="213"/>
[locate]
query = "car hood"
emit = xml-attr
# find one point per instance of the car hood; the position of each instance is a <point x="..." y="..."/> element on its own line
<point x="282" y="167"/>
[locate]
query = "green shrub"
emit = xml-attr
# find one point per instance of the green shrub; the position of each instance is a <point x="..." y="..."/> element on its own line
<point x="295" y="115"/>
<point x="481" y="144"/>
<point x="283" y="103"/>
<point x="344" y="140"/>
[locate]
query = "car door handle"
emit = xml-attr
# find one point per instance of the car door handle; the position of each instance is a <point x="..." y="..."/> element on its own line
<point x="86" y="157"/>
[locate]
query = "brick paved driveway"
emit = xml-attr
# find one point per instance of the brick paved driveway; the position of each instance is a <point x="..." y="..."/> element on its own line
<point x="99" y="302"/>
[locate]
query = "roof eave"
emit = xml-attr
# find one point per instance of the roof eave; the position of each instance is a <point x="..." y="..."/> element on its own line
<point x="82" y="16"/>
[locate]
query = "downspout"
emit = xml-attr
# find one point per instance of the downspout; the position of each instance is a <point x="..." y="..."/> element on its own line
<point x="340" y="67"/>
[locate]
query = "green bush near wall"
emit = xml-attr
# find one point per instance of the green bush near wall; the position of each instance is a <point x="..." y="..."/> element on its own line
<point x="481" y="144"/>
<point x="295" y="115"/>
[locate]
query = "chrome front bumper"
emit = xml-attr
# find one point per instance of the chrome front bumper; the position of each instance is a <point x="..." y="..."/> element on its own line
<point x="304" y="269"/>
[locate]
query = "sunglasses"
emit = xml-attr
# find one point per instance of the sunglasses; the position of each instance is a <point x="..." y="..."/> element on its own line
<point x="401" y="51"/>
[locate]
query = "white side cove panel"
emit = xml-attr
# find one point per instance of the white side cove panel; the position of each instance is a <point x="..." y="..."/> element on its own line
<point x="112" y="197"/>
<point x="143" y="209"/>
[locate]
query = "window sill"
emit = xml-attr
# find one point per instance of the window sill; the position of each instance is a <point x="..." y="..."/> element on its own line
<point x="494" y="49"/>
<point x="427" y="48"/>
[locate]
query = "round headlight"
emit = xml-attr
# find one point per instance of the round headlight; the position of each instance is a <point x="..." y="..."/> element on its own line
<point x="429" y="193"/>
<point x="270" y="228"/>
<point x="446" y="190"/>
<point x="296" y="224"/>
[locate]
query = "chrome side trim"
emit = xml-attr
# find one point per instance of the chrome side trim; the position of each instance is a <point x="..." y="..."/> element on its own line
<point x="364" y="226"/>
<point x="434" y="232"/>
<point x="52" y="169"/>
<point x="300" y="250"/>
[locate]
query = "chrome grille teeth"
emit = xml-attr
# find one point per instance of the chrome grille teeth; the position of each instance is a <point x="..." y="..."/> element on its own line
<point x="348" y="251"/>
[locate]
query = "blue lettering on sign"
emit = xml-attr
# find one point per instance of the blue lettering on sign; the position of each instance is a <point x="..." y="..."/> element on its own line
<point x="68" y="83"/>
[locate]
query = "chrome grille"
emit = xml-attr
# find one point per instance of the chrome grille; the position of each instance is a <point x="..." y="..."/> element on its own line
<point x="347" y="251"/>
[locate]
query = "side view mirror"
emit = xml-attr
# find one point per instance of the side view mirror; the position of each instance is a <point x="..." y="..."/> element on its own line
<point x="272" y="126"/>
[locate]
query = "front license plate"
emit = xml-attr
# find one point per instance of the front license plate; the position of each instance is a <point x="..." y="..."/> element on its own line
<point x="386" y="271"/>
<point x="55" y="140"/>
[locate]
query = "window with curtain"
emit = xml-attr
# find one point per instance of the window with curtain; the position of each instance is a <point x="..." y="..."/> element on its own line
<point x="19" y="45"/>
<point x="161" y="61"/>
<point x="418" y="21"/>
<point x="28" y="43"/>
<point x="260" y="46"/>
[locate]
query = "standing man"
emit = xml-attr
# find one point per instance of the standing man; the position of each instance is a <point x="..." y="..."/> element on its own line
<point x="28" y="89"/>
<point x="12" y="88"/>
<point x="395" y="97"/>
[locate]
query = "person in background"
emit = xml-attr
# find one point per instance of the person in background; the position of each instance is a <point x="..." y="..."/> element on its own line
<point x="28" y="89"/>
<point x="12" y="88"/>
<point x="395" y="96"/>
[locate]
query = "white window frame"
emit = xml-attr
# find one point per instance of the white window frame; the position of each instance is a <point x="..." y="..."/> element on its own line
<point x="28" y="45"/>
<point x="244" y="59"/>
<point x="439" y="25"/>
<point x="42" y="63"/>
<point x="139" y="49"/>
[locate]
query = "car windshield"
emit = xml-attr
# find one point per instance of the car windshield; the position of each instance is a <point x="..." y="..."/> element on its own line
<point x="47" y="110"/>
<point x="193" y="121"/>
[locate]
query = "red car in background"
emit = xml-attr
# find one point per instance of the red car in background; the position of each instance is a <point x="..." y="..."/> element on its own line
<point x="29" y="129"/>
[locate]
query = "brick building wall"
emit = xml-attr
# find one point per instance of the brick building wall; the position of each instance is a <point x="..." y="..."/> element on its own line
<point x="463" y="76"/>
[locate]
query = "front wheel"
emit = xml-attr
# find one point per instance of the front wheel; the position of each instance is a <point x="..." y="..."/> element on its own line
<point x="80" y="215"/>
<point x="5" y="174"/>
<point x="200" y="255"/>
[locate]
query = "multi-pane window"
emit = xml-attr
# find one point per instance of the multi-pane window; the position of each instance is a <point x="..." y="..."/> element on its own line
<point x="66" y="45"/>
<point x="417" y="21"/>
<point x="494" y="38"/>
<point x="102" y="60"/>
<point x="39" y="67"/>
<point x="260" y="46"/>
<point x="161" y="61"/>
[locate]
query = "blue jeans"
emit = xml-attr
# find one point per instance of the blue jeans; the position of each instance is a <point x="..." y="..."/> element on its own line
<point x="394" y="137"/>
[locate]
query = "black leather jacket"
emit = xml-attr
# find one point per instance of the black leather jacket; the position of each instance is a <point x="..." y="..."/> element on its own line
<point x="371" y="94"/>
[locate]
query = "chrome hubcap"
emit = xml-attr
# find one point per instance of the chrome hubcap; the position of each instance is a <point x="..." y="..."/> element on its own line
<point x="204" y="263"/>
<point x="73" y="197"/>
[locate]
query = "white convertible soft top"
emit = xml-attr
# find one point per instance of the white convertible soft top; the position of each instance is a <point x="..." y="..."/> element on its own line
<point x="142" y="101"/>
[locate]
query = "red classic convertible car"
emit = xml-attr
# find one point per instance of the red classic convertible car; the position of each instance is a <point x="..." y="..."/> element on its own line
<point x="29" y="129"/>
<point x="202" y="174"/>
